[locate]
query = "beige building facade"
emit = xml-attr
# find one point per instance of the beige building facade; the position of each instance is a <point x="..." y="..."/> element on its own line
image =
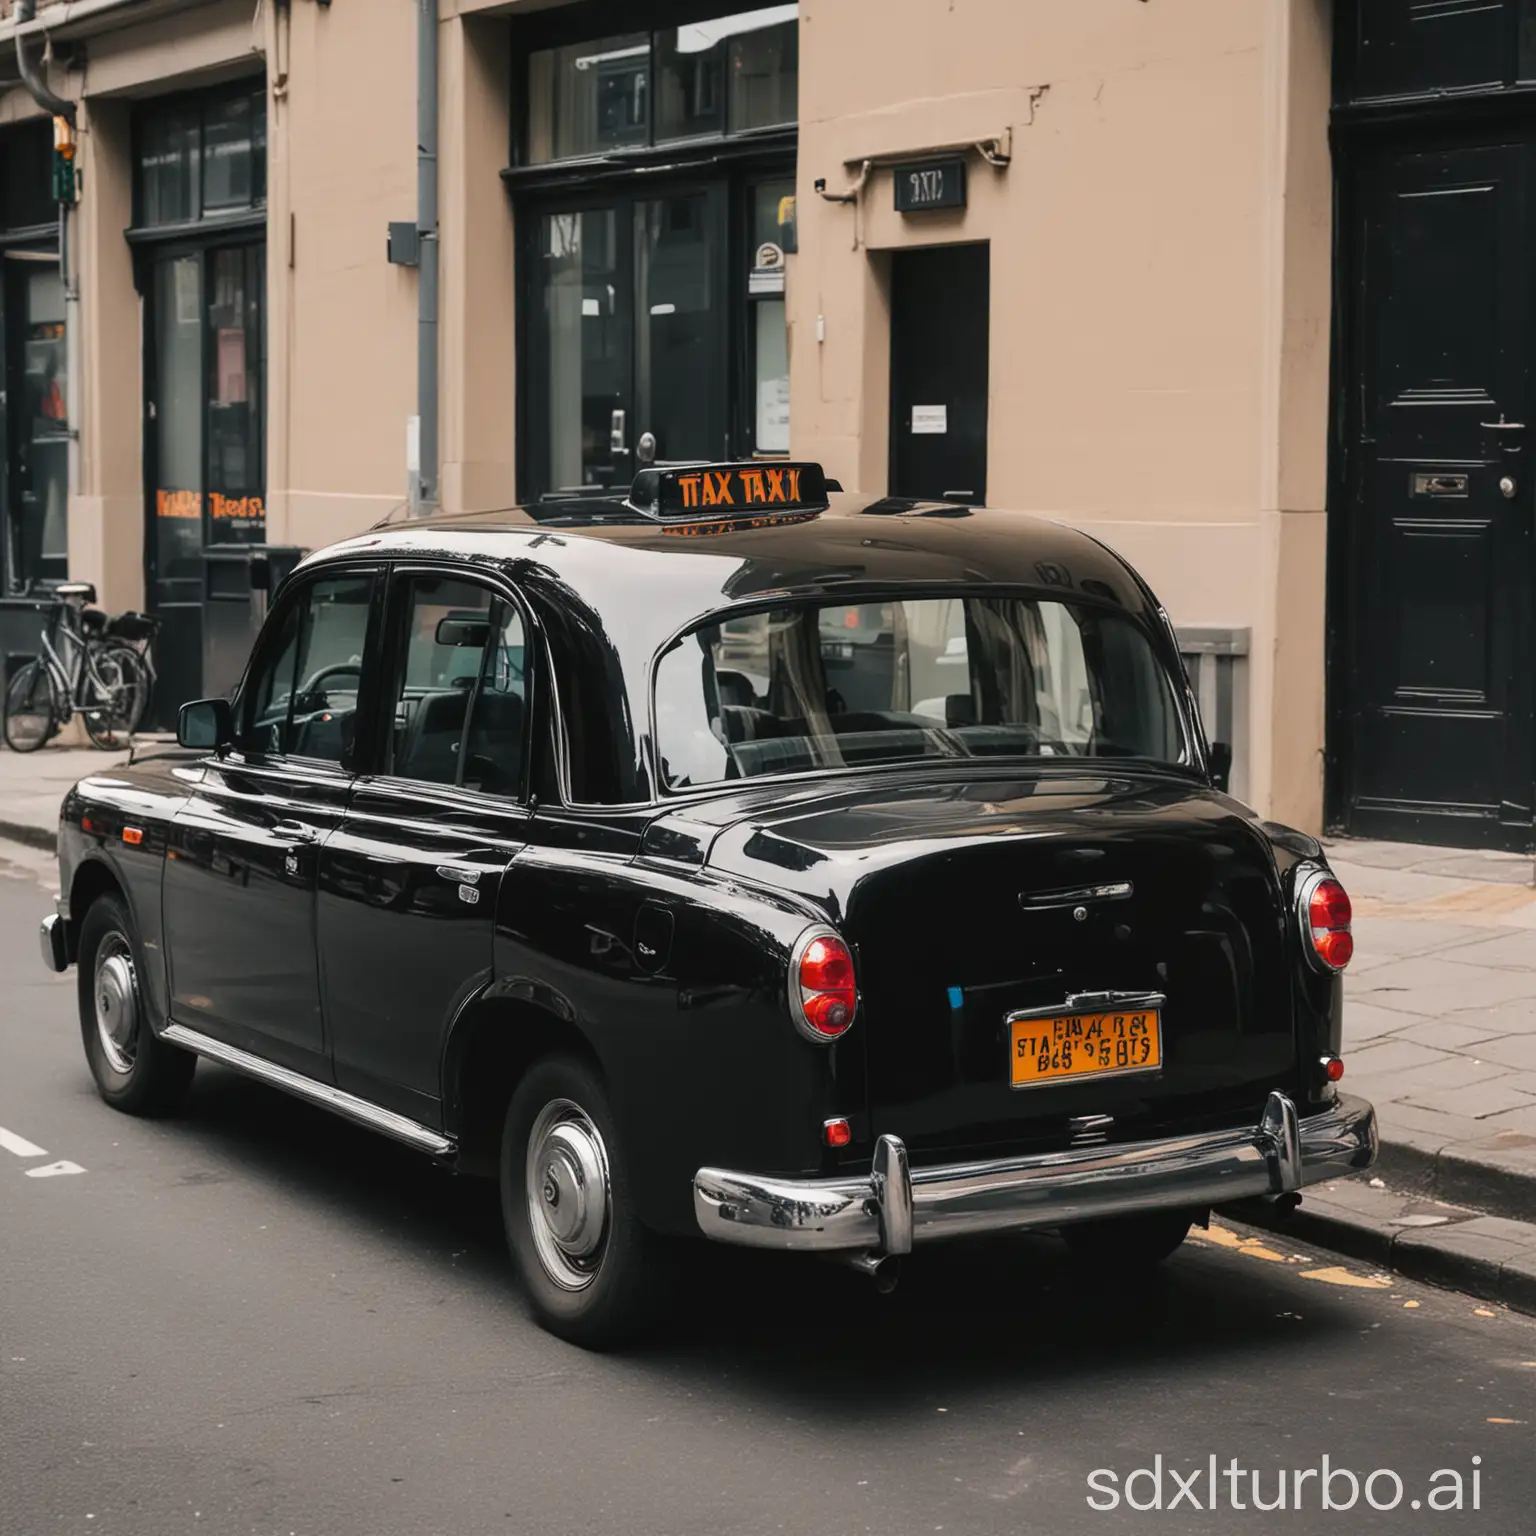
<point x="1075" y="256"/>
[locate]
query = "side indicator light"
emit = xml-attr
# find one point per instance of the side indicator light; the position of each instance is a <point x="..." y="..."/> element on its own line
<point x="837" y="1133"/>
<point x="85" y="824"/>
<point x="133" y="836"/>
<point x="1333" y="1068"/>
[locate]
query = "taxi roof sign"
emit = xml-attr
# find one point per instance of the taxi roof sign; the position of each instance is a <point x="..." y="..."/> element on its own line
<point x="720" y="493"/>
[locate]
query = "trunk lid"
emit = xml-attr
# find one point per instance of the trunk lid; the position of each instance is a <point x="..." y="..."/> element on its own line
<point x="968" y="902"/>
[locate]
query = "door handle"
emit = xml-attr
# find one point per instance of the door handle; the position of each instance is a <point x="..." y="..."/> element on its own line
<point x="1502" y="426"/>
<point x="295" y="832"/>
<point x="618" y="440"/>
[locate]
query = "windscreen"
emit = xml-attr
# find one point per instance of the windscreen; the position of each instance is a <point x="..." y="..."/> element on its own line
<point x="851" y="685"/>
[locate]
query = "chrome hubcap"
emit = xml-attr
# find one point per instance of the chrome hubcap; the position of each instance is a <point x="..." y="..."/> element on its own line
<point x="568" y="1194"/>
<point x="117" y="1003"/>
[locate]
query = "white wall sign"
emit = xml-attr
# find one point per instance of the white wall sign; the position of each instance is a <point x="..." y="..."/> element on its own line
<point x="930" y="420"/>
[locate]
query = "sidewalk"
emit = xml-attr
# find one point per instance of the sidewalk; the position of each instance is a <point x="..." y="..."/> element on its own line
<point x="1440" y="1018"/>
<point x="32" y="785"/>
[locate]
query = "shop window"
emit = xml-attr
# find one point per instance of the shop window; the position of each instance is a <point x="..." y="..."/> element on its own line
<point x="201" y="155"/>
<point x="26" y="176"/>
<point x="772" y="205"/>
<point x="733" y="74"/>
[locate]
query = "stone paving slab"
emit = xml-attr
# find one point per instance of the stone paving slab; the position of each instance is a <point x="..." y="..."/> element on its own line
<point x="1440" y="1018"/>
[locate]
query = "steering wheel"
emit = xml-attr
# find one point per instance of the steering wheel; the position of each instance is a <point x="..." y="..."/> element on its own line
<point x="339" y="669"/>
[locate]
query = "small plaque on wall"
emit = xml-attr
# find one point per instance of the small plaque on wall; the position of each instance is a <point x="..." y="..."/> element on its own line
<point x="930" y="184"/>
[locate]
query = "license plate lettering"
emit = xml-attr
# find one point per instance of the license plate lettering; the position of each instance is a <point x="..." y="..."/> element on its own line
<point x="1084" y="1045"/>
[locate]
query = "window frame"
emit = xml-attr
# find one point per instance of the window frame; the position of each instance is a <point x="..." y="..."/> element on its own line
<point x="594" y="24"/>
<point x="390" y="652"/>
<point x="294" y="591"/>
<point x="862" y="593"/>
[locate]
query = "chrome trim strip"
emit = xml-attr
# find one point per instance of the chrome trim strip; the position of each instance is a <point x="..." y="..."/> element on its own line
<point x="348" y="1105"/>
<point x="1047" y="901"/>
<point x="1044" y="1190"/>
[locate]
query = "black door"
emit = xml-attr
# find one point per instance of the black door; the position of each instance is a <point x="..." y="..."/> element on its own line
<point x="1435" y="698"/>
<point x="241" y="876"/>
<point x="630" y="329"/>
<point x="940" y="303"/>
<point x="409" y="881"/>
<point x="204" y="449"/>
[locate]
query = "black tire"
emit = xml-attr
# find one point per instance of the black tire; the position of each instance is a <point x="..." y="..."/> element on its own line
<point x="1128" y="1244"/>
<point x="31" y="709"/>
<point x="615" y="1293"/>
<point x="135" y="1070"/>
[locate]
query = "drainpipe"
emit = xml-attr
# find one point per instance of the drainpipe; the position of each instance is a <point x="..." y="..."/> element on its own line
<point x="32" y="75"/>
<point x="424" y="489"/>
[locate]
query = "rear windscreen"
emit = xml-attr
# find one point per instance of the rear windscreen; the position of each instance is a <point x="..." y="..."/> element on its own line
<point x="848" y="685"/>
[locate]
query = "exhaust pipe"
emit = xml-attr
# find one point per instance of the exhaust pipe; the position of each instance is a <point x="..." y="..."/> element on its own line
<point x="883" y="1269"/>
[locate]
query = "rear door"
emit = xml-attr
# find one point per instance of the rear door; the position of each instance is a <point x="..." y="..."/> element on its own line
<point x="410" y="877"/>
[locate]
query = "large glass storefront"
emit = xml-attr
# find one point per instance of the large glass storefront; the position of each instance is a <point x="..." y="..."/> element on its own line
<point x="655" y="320"/>
<point x="200" y="248"/>
<point x="34" y="419"/>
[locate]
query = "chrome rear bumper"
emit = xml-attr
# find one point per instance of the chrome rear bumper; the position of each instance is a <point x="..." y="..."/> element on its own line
<point x="896" y="1206"/>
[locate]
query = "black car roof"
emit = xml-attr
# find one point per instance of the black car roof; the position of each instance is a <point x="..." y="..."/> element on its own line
<point x="614" y="559"/>
<point x="619" y="586"/>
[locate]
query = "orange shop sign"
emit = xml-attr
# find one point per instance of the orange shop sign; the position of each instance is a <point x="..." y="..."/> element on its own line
<point x="179" y="504"/>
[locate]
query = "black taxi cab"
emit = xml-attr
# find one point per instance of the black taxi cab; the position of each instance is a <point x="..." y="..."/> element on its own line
<point x="738" y="859"/>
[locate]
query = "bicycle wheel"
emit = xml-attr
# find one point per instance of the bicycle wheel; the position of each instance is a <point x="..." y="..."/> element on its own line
<point x="31" y="708"/>
<point x="114" y="697"/>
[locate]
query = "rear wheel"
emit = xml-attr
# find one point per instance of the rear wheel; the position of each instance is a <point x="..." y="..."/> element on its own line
<point x="135" y="1070"/>
<point x="1128" y="1243"/>
<point x="31" y="708"/>
<point x="593" y="1273"/>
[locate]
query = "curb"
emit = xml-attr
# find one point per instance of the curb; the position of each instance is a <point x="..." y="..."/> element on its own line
<point x="1490" y="1257"/>
<point x="45" y="838"/>
<point x="1497" y="1178"/>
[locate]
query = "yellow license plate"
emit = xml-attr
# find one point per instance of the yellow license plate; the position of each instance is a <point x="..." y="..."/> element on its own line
<point x="1084" y="1045"/>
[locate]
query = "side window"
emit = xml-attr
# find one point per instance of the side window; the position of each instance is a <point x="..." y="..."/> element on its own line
<point x="458" y="698"/>
<point x="301" y="699"/>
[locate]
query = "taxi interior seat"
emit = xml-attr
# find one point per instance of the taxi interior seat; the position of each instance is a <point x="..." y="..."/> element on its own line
<point x="495" y="759"/>
<point x="429" y="747"/>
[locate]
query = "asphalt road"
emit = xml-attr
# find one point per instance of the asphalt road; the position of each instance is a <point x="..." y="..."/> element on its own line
<point x="258" y="1319"/>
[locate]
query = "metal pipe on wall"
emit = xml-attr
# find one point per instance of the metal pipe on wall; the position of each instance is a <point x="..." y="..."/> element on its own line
<point x="32" y="75"/>
<point x="424" y="489"/>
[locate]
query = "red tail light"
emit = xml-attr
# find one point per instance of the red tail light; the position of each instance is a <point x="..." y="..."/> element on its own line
<point x="823" y="996"/>
<point x="1322" y="906"/>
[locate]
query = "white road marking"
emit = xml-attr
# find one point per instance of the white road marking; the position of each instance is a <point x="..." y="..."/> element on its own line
<point x="52" y="1170"/>
<point x="19" y="1146"/>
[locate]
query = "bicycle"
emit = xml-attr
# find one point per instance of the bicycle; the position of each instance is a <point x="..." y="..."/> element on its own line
<point x="91" y="666"/>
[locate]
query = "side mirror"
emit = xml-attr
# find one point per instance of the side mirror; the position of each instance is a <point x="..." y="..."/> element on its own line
<point x="1221" y="765"/>
<point x="207" y="724"/>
